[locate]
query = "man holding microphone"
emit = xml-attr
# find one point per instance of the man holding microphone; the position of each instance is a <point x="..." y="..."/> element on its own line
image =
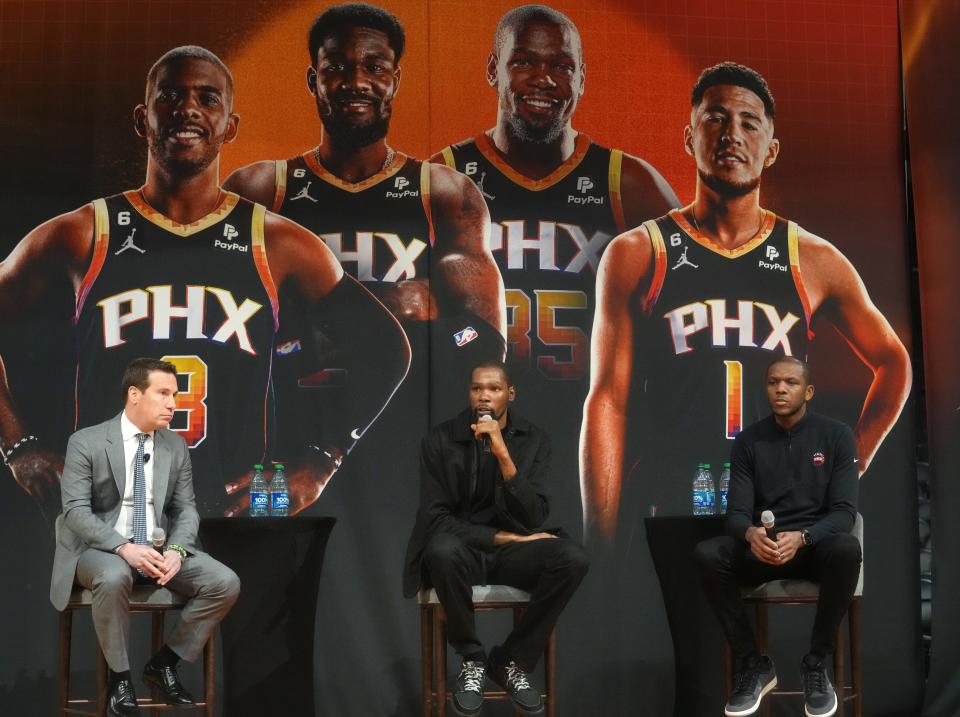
<point x="483" y="508"/>
<point x="791" y="506"/>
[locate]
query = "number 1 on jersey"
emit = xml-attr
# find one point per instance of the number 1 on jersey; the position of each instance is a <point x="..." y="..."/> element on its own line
<point x="734" y="397"/>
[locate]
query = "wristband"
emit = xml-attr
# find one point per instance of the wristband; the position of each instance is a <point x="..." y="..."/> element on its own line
<point x="335" y="459"/>
<point x="11" y="454"/>
<point x="177" y="549"/>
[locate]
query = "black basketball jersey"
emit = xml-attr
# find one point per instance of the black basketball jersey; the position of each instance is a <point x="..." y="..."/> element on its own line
<point x="380" y="229"/>
<point x="713" y="321"/>
<point x="198" y="295"/>
<point x="547" y="237"/>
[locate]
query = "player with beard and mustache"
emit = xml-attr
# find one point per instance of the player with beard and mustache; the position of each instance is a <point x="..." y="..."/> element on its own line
<point x="182" y="268"/>
<point x="693" y="306"/>
<point x="412" y="232"/>
<point x="556" y="199"/>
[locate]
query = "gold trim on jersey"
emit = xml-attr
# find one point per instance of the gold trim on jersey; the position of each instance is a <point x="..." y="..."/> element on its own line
<point x="613" y="181"/>
<point x="489" y="151"/>
<point x="135" y="197"/>
<point x="101" y="242"/>
<point x="659" y="264"/>
<point x="766" y="226"/>
<point x="793" y="249"/>
<point x="258" y="242"/>
<point x="310" y="158"/>
<point x="448" y="157"/>
<point x="425" y="198"/>
<point x="280" y="184"/>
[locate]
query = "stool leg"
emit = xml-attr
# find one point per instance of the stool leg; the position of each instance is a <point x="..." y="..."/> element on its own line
<point x="440" y="651"/>
<point x="63" y="684"/>
<point x="156" y="642"/>
<point x="839" y="671"/>
<point x="550" y="673"/>
<point x="101" y="663"/>
<point x="760" y="609"/>
<point x="426" y="661"/>
<point x="210" y="674"/>
<point x="853" y="617"/>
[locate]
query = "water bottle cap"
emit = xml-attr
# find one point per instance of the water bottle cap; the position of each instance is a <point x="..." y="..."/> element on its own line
<point x="257" y="467"/>
<point x="278" y="467"/>
<point x="726" y="465"/>
<point x="706" y="465"/>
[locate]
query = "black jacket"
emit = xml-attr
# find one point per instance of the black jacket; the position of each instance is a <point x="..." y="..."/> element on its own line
<point x="807" y="476"/>
<point x="448" y="462"/>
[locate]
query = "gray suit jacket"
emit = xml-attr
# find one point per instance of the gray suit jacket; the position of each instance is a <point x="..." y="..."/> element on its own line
<point x="92" y="486"/>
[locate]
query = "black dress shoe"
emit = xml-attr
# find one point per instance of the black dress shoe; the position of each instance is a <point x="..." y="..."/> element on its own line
<point x="166" y="679"/>
<point x="122" y="702"/>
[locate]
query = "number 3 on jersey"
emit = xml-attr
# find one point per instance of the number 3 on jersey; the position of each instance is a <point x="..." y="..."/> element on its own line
<point x="190" y="418"/>
<point x="565" y="354"/>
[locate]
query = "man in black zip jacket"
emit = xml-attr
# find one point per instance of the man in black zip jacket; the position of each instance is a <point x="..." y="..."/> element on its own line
<point x="803" y="468"/>
<point x="481" y="520"/>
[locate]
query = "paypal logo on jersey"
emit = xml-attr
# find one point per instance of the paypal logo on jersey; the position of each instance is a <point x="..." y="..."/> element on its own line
<point x="771" y="254"/>
<point x="400" y="185"/>
<point x="511" y="236"/>
<point x="229" y="233"/>
<point x="584" y="185"/>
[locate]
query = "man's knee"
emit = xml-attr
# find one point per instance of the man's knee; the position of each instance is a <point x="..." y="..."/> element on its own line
<point x="113" y="579"/>
<point x="444" y="550"/>
<point x="844" y="551"/>
<point x="572" y="559"/>
<point x="712" y="555"/>
<point x="225" y="584"/>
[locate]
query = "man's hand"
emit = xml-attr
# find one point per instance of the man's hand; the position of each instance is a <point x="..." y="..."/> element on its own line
<point x="763" y="549"/>
<point x="143" y="557"/>
<point x="38" y="471"/>
<point x="172" y="562"/>
<point x="490" y="427"/>
<point x="306" y="479"/>
<point x="503" y="537"/>
<point x="788" y="544"/>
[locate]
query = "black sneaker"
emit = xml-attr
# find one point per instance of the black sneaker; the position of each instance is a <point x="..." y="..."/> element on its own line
<point x="755" y="679"/>
<point x="819" y="699"/>
<point x="513" y="679"/>
<point x="467" y="696"/>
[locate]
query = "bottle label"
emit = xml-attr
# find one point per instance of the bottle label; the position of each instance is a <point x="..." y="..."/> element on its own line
<point x="702" y="500"/>
<point x="281" y="501"/>
<point x="259" y="500"/>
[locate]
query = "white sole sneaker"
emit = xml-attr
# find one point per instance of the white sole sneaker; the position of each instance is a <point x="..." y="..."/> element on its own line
<point x="756" y="705"/>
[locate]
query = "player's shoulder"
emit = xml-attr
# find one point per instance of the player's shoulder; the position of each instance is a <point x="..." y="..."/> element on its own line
<point x="452" y="152"/>
<point x="816" y="252"/>
<point x="70" y="233"/>
<point x="445" y="179"/>
<point x="256" y="181"/>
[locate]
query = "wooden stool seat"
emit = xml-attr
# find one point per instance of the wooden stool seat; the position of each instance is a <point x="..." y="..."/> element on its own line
<point x="433" y="647"/>
<point x="143" y="599"/>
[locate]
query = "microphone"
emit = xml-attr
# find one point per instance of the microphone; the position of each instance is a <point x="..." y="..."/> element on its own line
<point x="766" y="517"/>
<point x="484" y="414"/>
<point x="146" y="458"/>
<point x="158" y="538"/>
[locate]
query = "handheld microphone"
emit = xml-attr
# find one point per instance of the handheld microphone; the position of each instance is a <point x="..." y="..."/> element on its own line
<point x="484" y="414"/>
<point x="158" y="538"/>
<point x="766" y="517"/>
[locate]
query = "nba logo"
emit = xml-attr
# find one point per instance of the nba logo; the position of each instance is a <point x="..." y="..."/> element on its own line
<point x="818" y="459"/>
<point x="465" y="336"/>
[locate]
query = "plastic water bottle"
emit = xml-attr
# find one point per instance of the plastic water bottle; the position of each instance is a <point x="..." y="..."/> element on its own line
<point x="279" y="493"/>
<point x="259" y="493"/>
<point x="724" y="489"/>
<point x="703" y="490"/>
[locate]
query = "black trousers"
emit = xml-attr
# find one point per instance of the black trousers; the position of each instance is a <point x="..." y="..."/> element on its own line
<point x="726" y="563"/>
<point x="549" y="569"/>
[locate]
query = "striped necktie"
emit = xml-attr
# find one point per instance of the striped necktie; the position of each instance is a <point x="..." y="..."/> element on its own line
<point x="139" y="494"/>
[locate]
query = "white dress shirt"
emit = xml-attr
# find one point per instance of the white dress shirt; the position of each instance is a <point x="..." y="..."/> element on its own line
<point x="129" y="433"/>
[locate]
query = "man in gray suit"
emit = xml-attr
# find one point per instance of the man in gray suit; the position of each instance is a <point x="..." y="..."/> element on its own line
<point x="114" y="496"/>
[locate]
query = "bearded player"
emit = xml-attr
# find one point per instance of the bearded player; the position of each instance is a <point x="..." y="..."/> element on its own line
<point x="182" y="268"/>
<point x="693" y="306"/>
<point x="412" y="232"/>
<point x="556" y="199"/>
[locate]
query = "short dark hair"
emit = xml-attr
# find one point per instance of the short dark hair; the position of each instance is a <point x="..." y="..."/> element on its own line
<point x="732" y="73"/>
<point x="188" y="52"/>
<point x="516" y="18"/>
<point x="137" y="373"/>
<point x="793" y="361"/>
<point x="347" y="15"/>
<point x="494" y="364"/>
